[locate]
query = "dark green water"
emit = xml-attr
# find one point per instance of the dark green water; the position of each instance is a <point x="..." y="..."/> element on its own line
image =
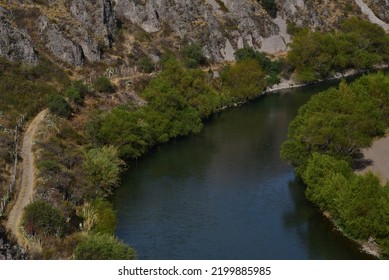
<point x="227" y="194"/>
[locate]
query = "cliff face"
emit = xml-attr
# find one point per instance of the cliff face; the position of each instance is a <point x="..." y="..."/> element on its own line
<point x="71" y="31"/>
<point x="77" y="31"/>
<point x="15" y="44"/>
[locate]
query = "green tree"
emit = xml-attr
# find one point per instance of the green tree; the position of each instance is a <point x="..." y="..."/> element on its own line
<point x="328" y="124"/>
<point x="40" y="218"/>
<point x="244" y="80"/>
<point x="103" y="166"/>
<point x="126" y="130"/>
<point x="103" y="247"/>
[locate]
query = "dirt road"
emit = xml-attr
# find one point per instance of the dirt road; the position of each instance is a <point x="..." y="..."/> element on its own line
<point x="26" y="188"/>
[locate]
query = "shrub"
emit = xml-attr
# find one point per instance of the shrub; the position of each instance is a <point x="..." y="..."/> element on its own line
<point x="245" y="80"/>
<point x="146" y="64"/>
<point x="193" y="56"/>
<point x="59" y="106"/>
<point x="40" y="218"/>
<point x="106" y="217"/>
<point x="103" y="247"/>
<point x="270" y="6"/>
<point x="102" y="166"/>
<point x="103" y="85"/>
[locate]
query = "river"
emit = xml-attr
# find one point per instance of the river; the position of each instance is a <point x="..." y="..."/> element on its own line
<point x="226" y="193"/>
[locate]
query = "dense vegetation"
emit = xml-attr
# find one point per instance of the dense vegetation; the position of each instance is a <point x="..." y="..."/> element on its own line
<point x="178" y="100"/>
<point x="318" y="55"/>
<point x="323" y="142"/>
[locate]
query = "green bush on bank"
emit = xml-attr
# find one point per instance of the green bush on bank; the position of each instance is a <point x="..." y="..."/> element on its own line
<point x="329" y="124"/>
<point x="359" y="204"/>
<point x="103" y="247"/>
<point x="327" y="134"/>
<point x="177" y="101"/>
<point x="359" y="44"/>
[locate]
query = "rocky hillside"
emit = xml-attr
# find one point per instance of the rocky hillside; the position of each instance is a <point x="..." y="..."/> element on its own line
<point x="80" y="32"/>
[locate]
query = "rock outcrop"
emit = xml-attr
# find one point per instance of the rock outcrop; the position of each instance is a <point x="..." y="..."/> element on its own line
<point x="77" y="31"/>
<point x="8" y="249"/>
<point x="60" y="46"/>
<point x="15" y="44"/>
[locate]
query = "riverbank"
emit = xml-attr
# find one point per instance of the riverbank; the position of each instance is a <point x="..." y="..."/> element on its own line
<point x="357" y="204"/>
<point x="290" y="84"/>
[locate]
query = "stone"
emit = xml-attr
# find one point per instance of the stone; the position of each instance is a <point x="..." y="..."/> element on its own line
<point x="15" y="44"/>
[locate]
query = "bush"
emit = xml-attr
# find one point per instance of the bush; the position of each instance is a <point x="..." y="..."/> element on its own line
<point x="271" y="68"/>
<point x="103" y="166"/>
<point x="106" y="217"/>
<point x="40" y="218"/>
<point x="103" y="85"/>
<point x="146" y="64"/>
<point x="193" y="56"/>
<point x="245" y="80"/>
<point x="270" y="6"/>
<point x="316" y="55"/>
<point x="59" y="106"/>
<point x="77" y="92"/>
<point x="103" y="247"/>
<point x="329" y="124"/>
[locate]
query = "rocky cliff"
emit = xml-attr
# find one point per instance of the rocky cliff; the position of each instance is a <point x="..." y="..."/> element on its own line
<point x="79" y="31"/>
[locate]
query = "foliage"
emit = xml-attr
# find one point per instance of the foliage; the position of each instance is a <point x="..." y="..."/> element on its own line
<point x="316" y="55"/>
<point x="244" y="80"/>
<point x="105" y="217"/>
<point x="59" y="106"/>
<point x="270" y="6"/>
<point x="193" y="55"/>
<point x="76" y="92"/>
<point x="146" y="64"/>
<point x="102" y="166"/>
<point x="103" y="85"/>
<point x="328" y="124"/>
<point x="359" y="204"/>
<point x="177" y="101"/>
<point x="103" y="247"/>
<point x="40" y="218"/>
<point x="271" y="68"/>
<point x="327" y="133"/>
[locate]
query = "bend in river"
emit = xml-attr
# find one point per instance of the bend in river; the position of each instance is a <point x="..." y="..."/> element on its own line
<point x="226" y="193"/>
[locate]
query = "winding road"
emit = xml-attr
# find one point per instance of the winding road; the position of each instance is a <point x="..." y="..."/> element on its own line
<point x="27" y="184"/>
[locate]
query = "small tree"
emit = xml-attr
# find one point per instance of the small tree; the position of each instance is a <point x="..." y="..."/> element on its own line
<point x="102" y="166"/>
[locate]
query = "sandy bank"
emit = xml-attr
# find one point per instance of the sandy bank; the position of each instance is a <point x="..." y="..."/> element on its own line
<point x="377" y="157"/>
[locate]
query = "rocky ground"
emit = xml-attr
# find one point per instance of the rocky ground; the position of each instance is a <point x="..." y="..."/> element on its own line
<point x="8" y="249"/>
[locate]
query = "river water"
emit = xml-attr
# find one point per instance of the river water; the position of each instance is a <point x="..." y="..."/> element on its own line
<point x="226" y="193"/>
